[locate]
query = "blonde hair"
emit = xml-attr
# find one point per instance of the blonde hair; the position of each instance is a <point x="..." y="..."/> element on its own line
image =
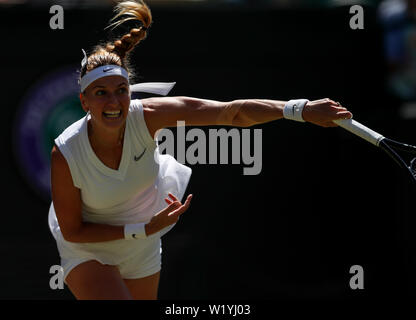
<point x="116" y="52"/>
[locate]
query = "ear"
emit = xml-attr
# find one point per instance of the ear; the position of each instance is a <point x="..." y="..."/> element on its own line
<point x="83" y="102"/>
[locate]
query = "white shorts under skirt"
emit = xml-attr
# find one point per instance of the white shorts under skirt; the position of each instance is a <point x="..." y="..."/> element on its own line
<point x="143" y="264"/>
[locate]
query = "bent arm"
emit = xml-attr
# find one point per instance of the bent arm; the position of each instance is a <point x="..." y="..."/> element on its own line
<point x="67" y="203"/>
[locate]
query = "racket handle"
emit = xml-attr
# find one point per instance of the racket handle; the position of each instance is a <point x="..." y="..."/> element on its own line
<point x="360" y="130"/>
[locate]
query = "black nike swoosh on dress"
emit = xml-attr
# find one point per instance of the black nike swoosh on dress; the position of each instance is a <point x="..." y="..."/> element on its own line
<point x="137" y="158"/>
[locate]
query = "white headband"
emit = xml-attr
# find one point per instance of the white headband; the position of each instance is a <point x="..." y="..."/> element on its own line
<point x="101" y="72"/>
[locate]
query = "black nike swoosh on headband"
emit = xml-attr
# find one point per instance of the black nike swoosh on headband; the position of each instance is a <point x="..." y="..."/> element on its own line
<point x="107" y="69"/>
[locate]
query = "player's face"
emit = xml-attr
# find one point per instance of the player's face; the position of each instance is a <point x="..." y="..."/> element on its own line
<point x="108" y="101"/>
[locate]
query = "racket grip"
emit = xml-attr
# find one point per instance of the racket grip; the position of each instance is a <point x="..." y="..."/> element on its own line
<point x="360" y="130"/>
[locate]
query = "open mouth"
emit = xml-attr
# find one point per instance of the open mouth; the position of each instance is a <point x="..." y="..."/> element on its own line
<point x="112" y="114"/>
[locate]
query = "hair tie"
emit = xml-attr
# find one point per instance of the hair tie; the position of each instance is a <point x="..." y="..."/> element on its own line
<point x="85" y="59"/>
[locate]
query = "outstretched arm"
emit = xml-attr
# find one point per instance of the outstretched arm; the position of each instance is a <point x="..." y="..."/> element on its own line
<point x="166" y="111"/>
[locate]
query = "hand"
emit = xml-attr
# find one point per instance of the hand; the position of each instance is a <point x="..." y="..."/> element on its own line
<point x="322" y="112"/>
<point x="169" y="215"/>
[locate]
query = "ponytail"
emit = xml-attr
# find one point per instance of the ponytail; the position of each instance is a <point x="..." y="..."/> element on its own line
<point x="116" y="52"/>
<point x="130" y="11"/>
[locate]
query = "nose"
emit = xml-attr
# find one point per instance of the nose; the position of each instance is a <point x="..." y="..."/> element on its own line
<point x="112" y="100"/>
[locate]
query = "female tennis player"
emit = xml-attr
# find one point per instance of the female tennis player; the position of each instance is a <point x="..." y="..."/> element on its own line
<point x="113" y="194"/>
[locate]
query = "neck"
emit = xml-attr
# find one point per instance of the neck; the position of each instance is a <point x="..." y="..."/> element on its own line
<point x="106" y="138"/>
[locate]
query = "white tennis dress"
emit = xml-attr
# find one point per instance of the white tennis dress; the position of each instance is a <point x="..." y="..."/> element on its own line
<point x="134" y="193"/>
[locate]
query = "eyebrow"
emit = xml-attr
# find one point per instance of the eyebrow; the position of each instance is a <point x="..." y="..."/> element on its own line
<point x="123" y="83"/>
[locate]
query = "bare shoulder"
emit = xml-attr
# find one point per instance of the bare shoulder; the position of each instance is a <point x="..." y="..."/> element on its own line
<point x="156" y="112"/>
<point x="60" y="172"/>
<point x="58" y="159"/>
<point x="157" y="104"/>
<point x="166" y="111"/>
<point x="152" y="107"/>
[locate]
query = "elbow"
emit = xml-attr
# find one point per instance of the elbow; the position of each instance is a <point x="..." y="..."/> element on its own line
<point x="243" y="122"/>
<point x="247" y="124"/>
<point x="72" y="235"/>
<point x="241" y="114"/>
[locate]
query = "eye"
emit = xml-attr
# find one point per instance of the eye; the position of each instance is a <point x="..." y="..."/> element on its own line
<point x="122" y="90"/>
<point x="99" y="92"/>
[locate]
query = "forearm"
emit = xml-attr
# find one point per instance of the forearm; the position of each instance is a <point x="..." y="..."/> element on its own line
<point x="95" y="232"/>
<point x="249" y="112"/>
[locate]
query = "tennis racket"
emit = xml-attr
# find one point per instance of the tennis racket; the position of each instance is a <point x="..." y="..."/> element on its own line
<point x="404" y="154"/>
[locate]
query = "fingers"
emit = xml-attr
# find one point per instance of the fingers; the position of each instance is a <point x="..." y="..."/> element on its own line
<point x="342" y="112"/>
<point x="343" y="115"/>
<point x="172" y="206"/>
<point x="174" y="202"/>
<point x="173" y="197"/>
<point x="333" y="103"/>
<point x="170" y="214"/>
<point x="338" y="107"/>
<point x="183" y="207"/>
<point x="188" y="201"/>
<point x="339" y="116"/>
<point x="326" y="101"/>
<point x="324" y="111"/>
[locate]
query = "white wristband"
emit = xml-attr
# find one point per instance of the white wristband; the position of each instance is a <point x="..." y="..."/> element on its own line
<point x="135" y="231"/>
<point x="293" y="109"/>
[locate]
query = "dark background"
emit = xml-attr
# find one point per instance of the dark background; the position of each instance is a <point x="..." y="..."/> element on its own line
<point x="324" y="201"/>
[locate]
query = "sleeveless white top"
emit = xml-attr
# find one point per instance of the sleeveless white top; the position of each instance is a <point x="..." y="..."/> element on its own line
<point x="134" y="193"/>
